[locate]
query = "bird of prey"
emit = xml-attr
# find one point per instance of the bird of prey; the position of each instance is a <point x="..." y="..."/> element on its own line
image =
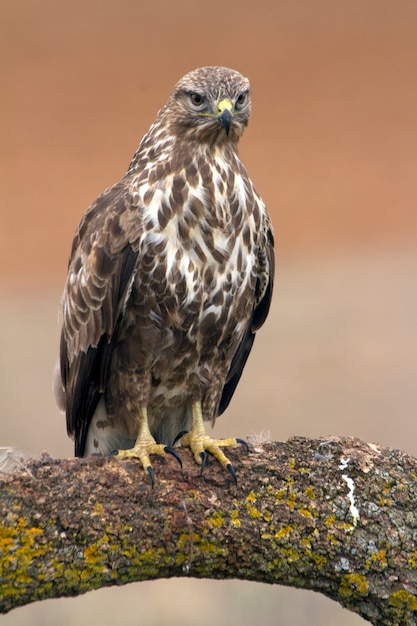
<point x="170" y="275"/>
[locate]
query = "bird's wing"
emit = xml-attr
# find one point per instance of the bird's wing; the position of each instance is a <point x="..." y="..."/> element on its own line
<point x="100" y="275"/>
<point x="263" y="295"/>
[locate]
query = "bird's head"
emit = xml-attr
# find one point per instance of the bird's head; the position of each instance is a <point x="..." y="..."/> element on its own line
<point x="210" y="104"/>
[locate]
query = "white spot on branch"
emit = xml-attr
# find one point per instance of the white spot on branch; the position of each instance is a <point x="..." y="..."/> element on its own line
<point x="354" y="511"/>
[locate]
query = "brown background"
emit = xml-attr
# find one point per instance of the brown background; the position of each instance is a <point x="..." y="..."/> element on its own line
<point x="332" y="147"/>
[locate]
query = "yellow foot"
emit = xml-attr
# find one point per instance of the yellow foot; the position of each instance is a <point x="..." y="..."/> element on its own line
<point x="200" y="443"/>
<point x="145" y="446"/>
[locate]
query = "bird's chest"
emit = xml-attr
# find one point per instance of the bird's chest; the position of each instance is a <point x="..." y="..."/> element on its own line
<point x="199" y="285"/>
<point x="198" y="265"/>
<point x="201" y="308"/>
<point x="199" y="239"/>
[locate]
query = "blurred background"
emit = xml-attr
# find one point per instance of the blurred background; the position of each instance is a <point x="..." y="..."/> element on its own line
<point x="332" y="147"/>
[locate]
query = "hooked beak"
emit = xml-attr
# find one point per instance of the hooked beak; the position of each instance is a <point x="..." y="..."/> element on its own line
<point x="225" y="108"/>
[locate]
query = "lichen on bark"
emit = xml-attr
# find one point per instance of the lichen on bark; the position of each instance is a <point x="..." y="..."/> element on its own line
<point x="336" y="516"/>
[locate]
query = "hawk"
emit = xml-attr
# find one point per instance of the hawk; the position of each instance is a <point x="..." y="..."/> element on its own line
<point x="169" y="278"/>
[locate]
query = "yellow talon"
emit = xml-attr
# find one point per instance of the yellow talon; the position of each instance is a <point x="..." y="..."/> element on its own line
<point x="200" y="443"/>
<point x="145" y="446"/>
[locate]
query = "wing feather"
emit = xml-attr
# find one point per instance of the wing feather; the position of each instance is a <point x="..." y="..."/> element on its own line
<point x="101" y="270"/>
<point x="263" y="296"/>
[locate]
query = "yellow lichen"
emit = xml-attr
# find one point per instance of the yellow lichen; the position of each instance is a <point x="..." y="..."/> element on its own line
<point x="319" y="560"/>
<point x="380" y="556"/>
<point x="291" y="500"/>
<point x="266" y="536"/>
<point x="353" y="584"/>
<point x="180" y="558"/>
<point x="344" y="526"/>
<point x="385" y="501"/>
<point x="184" y="539"/>
<point x="95" y="552"/>
<point x="253" y="511"/>
<point x="19" y="548"/>
<point x="290" y="554"/>
<point x="331" y="539"/>
<point x="412" y="561"/>
<point x="234" y="518"/>
<point x="206" y="547"/>
<point x="280" y="495"/>
<point x="217" y="519"/>
<point x="98" y="510"/>
<point x="91" y="553"/>
<point x="251" y="497"/>
<point x="309" y="492"/>
<point x="284" y="531"/>
<point x="404" y="600"/>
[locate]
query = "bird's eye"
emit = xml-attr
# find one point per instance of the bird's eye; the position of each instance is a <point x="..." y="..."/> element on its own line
<point x="241" y="100"/>
<point x="196" y="100"/>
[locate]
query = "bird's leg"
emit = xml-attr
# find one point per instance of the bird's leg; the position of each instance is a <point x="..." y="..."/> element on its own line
<point x="145" y="446"/>
<point x="200" y="443"/>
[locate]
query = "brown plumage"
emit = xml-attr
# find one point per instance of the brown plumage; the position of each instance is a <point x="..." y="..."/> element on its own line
<point x="170" y="276"/>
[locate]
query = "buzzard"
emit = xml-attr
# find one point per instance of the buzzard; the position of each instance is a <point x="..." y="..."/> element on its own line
<point x="170" y="276"/>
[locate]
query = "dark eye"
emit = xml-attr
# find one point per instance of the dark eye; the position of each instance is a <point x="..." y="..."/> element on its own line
<point x="196" y="100"/>
<point x="241" y="100"/>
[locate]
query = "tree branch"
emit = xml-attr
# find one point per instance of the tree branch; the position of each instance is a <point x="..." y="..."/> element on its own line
<point x="335" y="516"/>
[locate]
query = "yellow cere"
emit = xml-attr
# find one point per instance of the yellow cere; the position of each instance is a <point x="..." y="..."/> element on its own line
<point x="225" y="104"/>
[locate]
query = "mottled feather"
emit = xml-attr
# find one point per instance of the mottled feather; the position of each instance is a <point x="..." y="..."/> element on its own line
<point x="170" y="275"/>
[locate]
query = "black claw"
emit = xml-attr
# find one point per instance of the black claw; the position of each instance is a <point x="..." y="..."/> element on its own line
<point x="178" y="437"/>
<point x="232" y="472"/>
<point x="151" y="473"/>
<point x="174" y="454"/>
<point x="203" y="457"/>
<point x="243" y="443"/>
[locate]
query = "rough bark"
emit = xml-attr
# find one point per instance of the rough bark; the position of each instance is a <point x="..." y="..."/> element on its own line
<point x="335" y="516"/>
